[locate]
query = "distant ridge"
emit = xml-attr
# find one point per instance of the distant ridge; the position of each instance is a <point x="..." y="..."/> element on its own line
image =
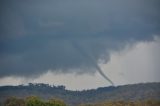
<point x="142" y="91"/>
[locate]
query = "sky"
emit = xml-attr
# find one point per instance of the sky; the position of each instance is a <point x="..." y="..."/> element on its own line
<point x="79" y="44"/>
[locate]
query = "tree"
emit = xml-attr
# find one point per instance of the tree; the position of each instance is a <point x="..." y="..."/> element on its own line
<point x="12" y="101"/>
<point x="55" y="102"/>
<point x="34" y="101"/>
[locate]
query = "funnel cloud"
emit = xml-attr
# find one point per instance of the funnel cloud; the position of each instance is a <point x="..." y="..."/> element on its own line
<point x="70" y="36"/>
<point x="90" y="58"/>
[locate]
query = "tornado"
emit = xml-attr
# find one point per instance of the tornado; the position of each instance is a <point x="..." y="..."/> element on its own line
<point x="102" y="74"/>
<point x="83" y="52"/>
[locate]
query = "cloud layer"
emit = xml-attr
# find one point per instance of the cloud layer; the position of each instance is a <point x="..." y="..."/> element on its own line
<point x="37" y="36"/>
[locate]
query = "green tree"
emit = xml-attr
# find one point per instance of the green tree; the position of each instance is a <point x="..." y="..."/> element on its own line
<point x="13" y="101"/>
<point x="34" y="101"/>
<point x="55" y="102"/>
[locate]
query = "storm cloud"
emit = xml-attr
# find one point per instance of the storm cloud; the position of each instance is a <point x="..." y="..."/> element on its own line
<point x="37" y="36"/>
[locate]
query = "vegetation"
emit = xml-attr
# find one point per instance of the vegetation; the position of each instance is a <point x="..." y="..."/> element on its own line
<point x="12" y="101"/>
<point x="73" y="98"/>
<point x="33" y="101"/>
<point x="126" y="103"/>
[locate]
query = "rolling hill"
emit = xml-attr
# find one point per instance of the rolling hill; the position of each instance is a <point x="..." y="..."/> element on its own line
<point x="142" y="91"/>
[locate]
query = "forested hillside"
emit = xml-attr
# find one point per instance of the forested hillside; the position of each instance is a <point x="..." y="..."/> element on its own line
<point x="119" y="93"/>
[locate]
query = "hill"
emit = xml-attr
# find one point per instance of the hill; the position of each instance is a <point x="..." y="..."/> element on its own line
<point x="134" y="92"/>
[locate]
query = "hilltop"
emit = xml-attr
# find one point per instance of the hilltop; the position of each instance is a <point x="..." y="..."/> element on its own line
<point x="133" y="92"/>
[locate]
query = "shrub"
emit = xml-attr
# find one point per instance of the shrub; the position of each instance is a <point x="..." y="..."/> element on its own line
<point x="34" y="101"/>
<point x="55" y="102"/>
<point x="12" y="101"/>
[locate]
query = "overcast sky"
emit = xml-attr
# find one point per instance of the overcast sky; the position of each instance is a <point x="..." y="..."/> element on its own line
<point x="80" y="44"/>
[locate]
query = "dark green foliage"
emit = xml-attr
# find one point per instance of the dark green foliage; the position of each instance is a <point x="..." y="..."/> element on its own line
<point x="55" y="102"/>
<point x="126" y="93"/>
<point x="12" y="101"/>
<point x="36" y="101"/>
<point x="33" y="101"/>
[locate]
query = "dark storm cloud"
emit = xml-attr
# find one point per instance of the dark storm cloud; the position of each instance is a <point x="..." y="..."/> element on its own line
<point x="37" y="36"/>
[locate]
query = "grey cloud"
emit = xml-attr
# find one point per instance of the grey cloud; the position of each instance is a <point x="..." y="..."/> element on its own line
<point x="36" y="36"/>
